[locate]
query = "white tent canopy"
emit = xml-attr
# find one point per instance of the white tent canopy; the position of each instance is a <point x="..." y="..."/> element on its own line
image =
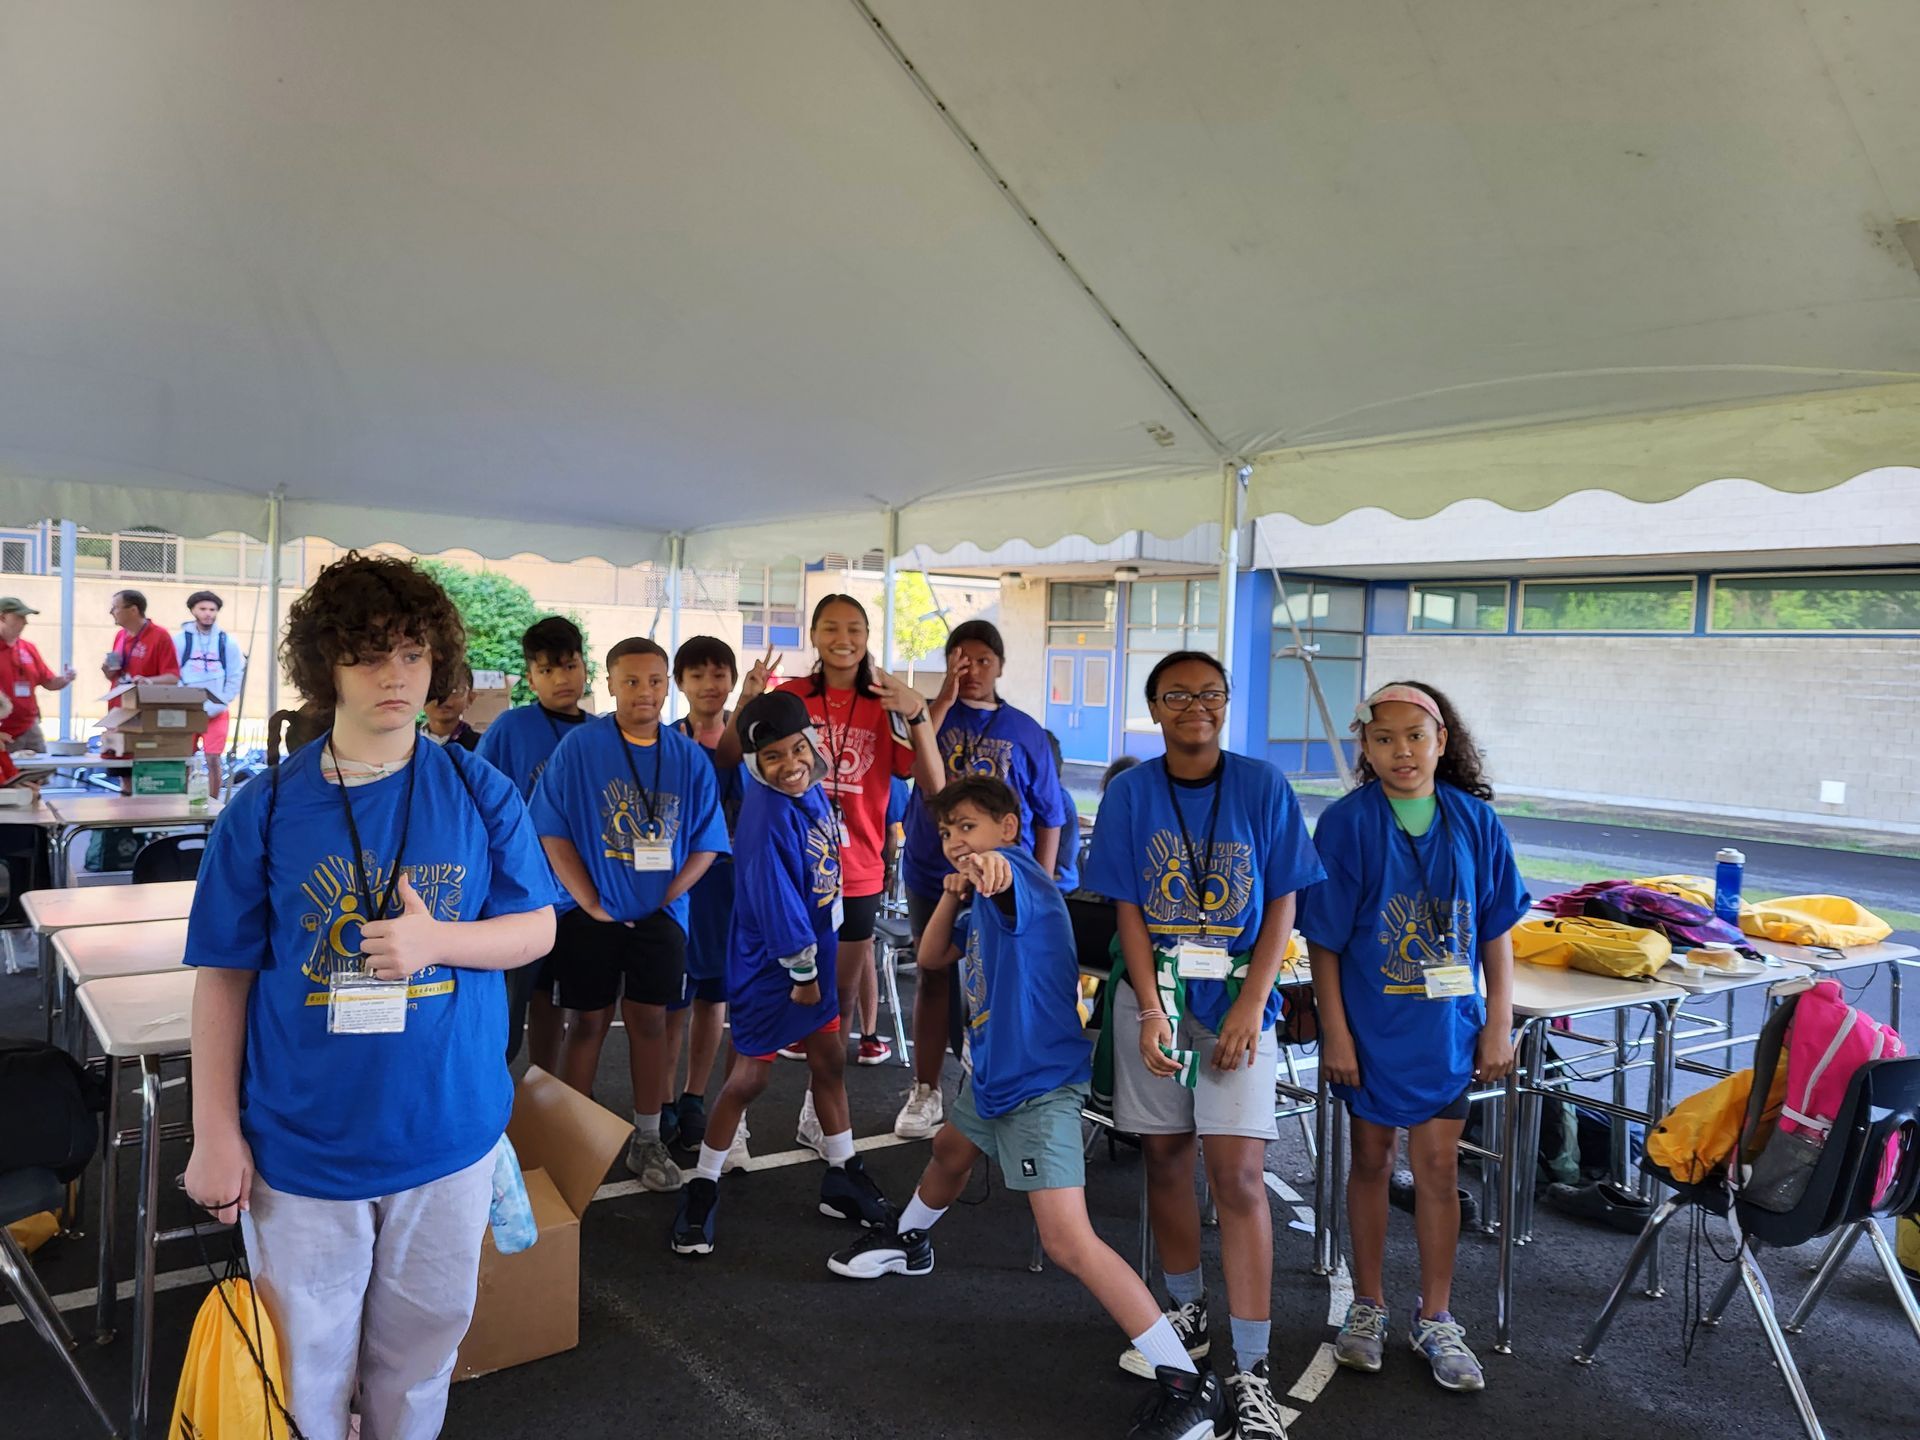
<point x="569" y="278"/>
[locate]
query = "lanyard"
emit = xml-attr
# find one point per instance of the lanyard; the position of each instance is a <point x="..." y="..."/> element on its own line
<point x="129" y="641"/>
<point x="970" y="740"/>
<point x="1195" y="874"/>
<point x="836" y="747"/>
<point x="195" y="655"/>
<point x="362" y="881"/>
<point x="1427" y="887"/>
<point x="647" y="797"/>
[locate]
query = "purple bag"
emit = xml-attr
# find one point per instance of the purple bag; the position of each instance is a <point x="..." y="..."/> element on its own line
<point x="1681" y="921"/>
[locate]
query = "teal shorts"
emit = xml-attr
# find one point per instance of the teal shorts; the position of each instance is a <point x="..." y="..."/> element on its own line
<point x="1037" y="1144"/>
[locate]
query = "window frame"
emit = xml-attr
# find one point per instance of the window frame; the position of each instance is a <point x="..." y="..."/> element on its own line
<point x="1506" y="587"/>
<point x="1188" y="627"/>
<point x="1713" y="585"/>
<point x="1692" y="626"/>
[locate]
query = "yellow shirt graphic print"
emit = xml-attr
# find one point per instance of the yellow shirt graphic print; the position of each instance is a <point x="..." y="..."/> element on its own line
<point x="1178" y="904"/>
<point x="623" y="819"/>
<point x="335" y="913"/>
<point x="1413" y="933"/>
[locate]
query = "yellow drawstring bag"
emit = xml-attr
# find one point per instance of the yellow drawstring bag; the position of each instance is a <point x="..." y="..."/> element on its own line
<point x="1696" y="888"/>
<point x="1907" y="1245"/>
<point x="1815" y="920"/>
<point x="1600" y="947"/>
<point x="34" y="1231"/>
<point x="226" y="1393"/>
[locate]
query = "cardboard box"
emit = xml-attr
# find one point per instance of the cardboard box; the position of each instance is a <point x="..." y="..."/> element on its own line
<point x="144" y="695"/>
<point x="529" y="1304"/>
<point x="492" y="697"/>
<point x="175" y="746"/>
<point x="159" y="777"/>
<point x="189" y="720"/>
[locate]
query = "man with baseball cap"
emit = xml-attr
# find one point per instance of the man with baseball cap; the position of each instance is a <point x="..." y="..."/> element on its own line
<point x="22" y="672"/>
<point x="211" y="659"/>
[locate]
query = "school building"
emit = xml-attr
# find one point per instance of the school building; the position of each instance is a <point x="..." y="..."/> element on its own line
<point x="1735" y="651"/>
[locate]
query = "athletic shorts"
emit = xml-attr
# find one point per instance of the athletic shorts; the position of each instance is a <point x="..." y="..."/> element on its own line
<point x="832" y="1027"/>
<point x="1222" y="1102"/>
<point x="1457" y="1110"/>
<point x="920" y="910"/>
<point x="711" y="992"/>
<point x="213" y="741"/>
<point x="601" y="962"/>
<point x="857" y="916"/>
<point x="1037" y="1144"/>
<point x="522" y="985"/>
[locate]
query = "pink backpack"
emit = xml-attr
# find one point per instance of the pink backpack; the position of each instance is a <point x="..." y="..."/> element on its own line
<point x="1828" y="1041"/>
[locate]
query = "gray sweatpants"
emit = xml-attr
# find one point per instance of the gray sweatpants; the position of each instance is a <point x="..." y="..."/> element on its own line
<point x="372" y="1296"/>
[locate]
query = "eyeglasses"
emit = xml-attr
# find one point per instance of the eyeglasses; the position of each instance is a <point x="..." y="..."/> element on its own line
<point x="1187" y="699"/>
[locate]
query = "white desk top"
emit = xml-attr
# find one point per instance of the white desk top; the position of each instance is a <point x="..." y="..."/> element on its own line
<point x="129" y="810"/>
<point x="1542" y="990"/>
<point x="37" y="760"/>
<point x="140" y="1014"/>
<point x="49" y="911"/>
<point x="1826" y="960"/>
<point x="1716" y="983"/>
<point x="98" y="952"/>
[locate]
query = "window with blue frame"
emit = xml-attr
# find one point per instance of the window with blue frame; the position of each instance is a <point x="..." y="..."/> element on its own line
<point x="770" y="609"/>
<point x="1331" y="616"/>
<point x="1656" y="604"/>
<point x="1477" y="607"/>
<point x="1861" y="602"/>
<point x="1164" y="616"/>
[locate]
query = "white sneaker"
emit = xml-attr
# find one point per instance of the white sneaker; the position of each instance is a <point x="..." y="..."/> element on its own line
<point x="808" y="1133"/>
<point x="922" y="1115"/>
<point x="737" y="1155"/>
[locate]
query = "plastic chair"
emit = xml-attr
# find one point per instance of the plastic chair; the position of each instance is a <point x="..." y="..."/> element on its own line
<point x="1883" y="1102"/>
<point x="890" y="938"/>
<point x="24" y="1193"/>
<point x="170" y="857"/>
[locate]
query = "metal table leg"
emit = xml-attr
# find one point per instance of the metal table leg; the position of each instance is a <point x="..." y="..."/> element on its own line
<point x="1659" y="1084"/>
<point x="1509" y="1205"/>
<point x="1326" y="1258"/>
<point x="105" y="1296"/>
<point x="146" y="1217"/>
<point x="1527" y="1155"/>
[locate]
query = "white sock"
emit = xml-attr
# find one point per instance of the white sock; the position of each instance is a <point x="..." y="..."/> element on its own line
<point x="1162" y="1347"/>
<point x="710" y="1162"/>
<point x="919" y="1215"/>
<point x="839" y="1148"/>
<point x="648" y="1126"/>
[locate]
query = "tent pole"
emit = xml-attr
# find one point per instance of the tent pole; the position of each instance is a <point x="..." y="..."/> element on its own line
<point x="273" y="603"/>
<point x="69" y="539"/>
<point x="887" y="605"/>
<point x="1232" y="483"/>
<point x="676" y="553"/>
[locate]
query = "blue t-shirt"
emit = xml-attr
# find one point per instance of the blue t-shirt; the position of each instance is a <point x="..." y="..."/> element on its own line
<point x="787" y="860"/>
<point x="710" y="902"/>
<point x="350" y="1117"/>
<point x="1389" y="901"/>
<point x="587" y="796"/>
<point x="1260" y="852"/>
<point x="1004" y="743"/>
<point x="1022" y="984"/>
<point x="519" y="743"/>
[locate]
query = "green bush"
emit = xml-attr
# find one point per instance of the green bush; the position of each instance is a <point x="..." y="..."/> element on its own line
<point x="497" y="611"/>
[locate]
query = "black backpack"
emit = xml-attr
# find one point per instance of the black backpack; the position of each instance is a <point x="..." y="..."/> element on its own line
<point x="48" y="1108"/>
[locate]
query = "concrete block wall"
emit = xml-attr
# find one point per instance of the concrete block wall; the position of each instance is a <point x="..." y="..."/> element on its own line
<point x="1747" y="724"/>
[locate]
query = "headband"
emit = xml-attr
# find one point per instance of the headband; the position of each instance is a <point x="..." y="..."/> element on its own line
<point x="1389" y="694"/>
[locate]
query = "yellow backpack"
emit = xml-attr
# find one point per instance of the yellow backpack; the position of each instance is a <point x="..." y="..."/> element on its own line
<point x="1907" y="1246"/>
<point x="1600" y="947"/>
<point x="1695" y="1140"/>
<point x="225" y="1394"/>
<point x="1815" y="920"/>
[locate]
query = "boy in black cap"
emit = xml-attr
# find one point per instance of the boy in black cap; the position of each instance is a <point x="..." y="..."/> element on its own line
<point x="780" y="964"/>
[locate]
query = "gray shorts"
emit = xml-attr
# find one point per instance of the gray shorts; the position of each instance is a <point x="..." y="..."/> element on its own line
<point x="1222" y="1102"/>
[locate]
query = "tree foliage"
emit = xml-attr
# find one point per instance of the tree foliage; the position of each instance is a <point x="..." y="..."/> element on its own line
<point x="497" y="610"/>
<point x="917" y="630"/>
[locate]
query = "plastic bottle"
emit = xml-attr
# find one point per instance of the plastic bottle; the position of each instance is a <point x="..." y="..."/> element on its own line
<point x="197" y="785"/>
<point x="1730" y="868"/>
<point x="510" y="1216"/>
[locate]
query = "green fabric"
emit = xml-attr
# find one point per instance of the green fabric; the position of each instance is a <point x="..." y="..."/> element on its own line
<point x="1415" y="816"/>
<point x="1173" y="994"/>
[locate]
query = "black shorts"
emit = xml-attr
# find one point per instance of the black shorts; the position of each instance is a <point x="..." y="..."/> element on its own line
<point x="857" y="916"/>
<point x="598" y="963"/>
<point x="920" y="910"/>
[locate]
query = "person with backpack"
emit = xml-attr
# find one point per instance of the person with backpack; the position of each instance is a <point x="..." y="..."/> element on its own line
<point x="1414" y="915"/>
<point x="356" y="910"/>
<point x="210" y="659"/>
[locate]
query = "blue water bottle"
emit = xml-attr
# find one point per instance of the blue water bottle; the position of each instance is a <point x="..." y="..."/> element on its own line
<point x="1730" y="868"/>
<point x="510" y="1216"/>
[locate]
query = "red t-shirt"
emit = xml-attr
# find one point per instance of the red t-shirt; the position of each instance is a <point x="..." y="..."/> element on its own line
<point x="863" y="755"/>
<point x="22" y="672"/>
<point x="150" y="653"/>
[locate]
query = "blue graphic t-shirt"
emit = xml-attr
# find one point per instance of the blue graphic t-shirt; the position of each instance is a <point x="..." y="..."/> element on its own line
<point x="350" y="1117"/>
<point x="587" y="796"/>
<point x="1006" y="744"/>
<point x="1391" y="901"/>
<point x="1260" y="852"/>
<point x="519" y="743"/>
<point x="787" y="862"/>
<point x="710" y="902"/>
<point x="1022" y="983"/>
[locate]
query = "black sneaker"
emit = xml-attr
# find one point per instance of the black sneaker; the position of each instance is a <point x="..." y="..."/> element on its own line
<point x="1185" y="1406"/>
<point x="848" y="1192"/>
<point x="693" y="1122"/>
<point x="1254" y="1414"/>
<point x="1190" y="1322"/>
<point x="693" y="1226"/>
<point x="883" y="1252"/>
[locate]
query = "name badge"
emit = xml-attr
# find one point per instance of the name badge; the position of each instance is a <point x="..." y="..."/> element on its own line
<point x="846" y="835"/>
<point x="839" y="912"/>
<point x="1448" y="978"/>
<point x="363" y="1005"/>
<point x="653" y="857"/>
<point x="1203" y="962"/>
<point x="22" y="690"/>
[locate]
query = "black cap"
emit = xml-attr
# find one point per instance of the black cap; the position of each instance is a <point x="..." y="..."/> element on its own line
<point x="770" y="717"/>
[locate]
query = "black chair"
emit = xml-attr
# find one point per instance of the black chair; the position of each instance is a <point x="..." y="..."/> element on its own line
<point x="24" y="1193"/>
<point x="170" y="857"/>
<point x="26" y="861"/>
<point x="1882" y="1105"/>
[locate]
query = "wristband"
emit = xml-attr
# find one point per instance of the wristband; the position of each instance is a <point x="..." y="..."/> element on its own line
<point x="919" y="719"/>
<point x="1153" y="1015"/>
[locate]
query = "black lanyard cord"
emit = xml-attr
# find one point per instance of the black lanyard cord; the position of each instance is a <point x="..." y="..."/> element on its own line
<point x="362" y="880"/>
<point x="649" y="798"/>
<point x="1427" y="887"/>
<point x="1195" y="873"/>
<point x="970" y="740"/>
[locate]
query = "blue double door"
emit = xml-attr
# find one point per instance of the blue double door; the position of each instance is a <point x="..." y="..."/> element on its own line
<point x="1080" y="703"/>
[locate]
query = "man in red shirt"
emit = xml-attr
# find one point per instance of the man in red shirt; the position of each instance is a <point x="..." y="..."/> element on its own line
<point x="22" y="673"/>
<point x="141" y="651"/>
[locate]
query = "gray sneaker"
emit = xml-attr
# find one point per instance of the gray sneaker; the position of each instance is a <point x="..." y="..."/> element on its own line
<point x="1362" y="1336"/>
<point x="1444" y="1342"/>
<point x="650" y="1161"/>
